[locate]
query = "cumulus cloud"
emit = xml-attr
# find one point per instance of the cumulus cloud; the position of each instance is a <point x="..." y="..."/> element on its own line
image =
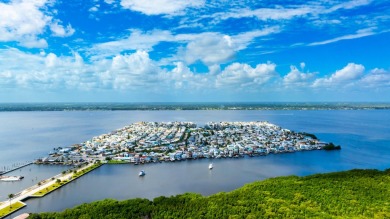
<point x="121" y="72"/>
<point x="157" y="7"/>
<point x="24" y="21"/>
<point x="376" y="78"/>
<point x="43" y="71"/>
<point x="133" y="70"/>
<point x="349" y="73"/>
<point x="59" y="30"/>
<point x="137" y="72"/>
<point x="210" y="49"/>
<point x="243" y="75"/>
<point x="297" y="78"/>
<point x="181" y="77"/>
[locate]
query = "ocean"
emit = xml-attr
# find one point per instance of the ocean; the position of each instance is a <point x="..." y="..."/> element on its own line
<point x="364" y="136"/>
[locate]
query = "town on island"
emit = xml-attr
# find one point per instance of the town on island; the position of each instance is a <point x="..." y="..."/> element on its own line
<point x="146" y="142"/>
<point x="151" y="142"/>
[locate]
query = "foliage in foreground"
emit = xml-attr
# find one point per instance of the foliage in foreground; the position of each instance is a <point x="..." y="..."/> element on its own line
<point x="350" y="194"/>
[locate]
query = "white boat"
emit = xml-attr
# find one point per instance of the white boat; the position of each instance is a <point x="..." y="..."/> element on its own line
<point x="142" y="173"/>
<point x="11" y="178"/>
<point x="210" y="166"/>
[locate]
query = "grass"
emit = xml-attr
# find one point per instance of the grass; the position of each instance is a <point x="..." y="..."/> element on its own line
<point x="117" y="162"/>
<point x="10" y="209"/>
<point x="57" y="185"/>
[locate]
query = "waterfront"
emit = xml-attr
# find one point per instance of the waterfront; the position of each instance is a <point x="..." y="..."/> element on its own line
<point x="364" y="136"/>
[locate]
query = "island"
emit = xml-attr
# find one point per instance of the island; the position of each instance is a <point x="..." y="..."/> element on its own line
<point x="147" y="142"/>
<point x="151" y="142"/>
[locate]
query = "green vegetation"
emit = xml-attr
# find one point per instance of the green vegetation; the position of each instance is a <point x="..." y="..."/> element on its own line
<point x="117" y="162"/>
<point x="59" y="183"/>
<point x="331" y="146"/>
<point x="11" y="208"/>
<point x="350" y="194"/>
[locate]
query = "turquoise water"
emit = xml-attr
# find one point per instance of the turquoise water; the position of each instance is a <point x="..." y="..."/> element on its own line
<point x="363" y="134"/>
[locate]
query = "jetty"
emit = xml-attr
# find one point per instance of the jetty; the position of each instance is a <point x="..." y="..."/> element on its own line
<point x="15" y="168"/>
<point x="42" y="188"/>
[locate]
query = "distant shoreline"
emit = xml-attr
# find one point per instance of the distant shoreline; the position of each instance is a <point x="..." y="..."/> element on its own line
<point x="9" y="107"/>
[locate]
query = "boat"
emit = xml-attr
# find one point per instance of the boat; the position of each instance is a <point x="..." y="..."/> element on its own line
<point x="11" y="178"/>
<point x="142" y="173"/>
<point x="210" y="166"/>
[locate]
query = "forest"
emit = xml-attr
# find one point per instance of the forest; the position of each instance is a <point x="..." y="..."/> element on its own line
<point x="348" y="194"/>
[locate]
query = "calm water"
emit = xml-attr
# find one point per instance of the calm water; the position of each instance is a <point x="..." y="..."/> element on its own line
<point x="364" y="136"/>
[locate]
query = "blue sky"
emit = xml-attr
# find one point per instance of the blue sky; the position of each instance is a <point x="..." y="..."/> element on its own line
<point x="194" y="51"/>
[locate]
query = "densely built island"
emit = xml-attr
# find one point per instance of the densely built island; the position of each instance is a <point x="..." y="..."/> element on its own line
<point x="146" y="142"/>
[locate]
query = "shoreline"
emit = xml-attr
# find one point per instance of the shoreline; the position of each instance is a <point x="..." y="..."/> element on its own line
<point x="147" y="142"/>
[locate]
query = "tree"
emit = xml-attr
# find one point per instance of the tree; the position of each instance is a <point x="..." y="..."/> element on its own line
<point x="10" y="197"/>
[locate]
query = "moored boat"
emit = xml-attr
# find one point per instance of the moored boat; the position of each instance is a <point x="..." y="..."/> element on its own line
<point x="11" y="178"/>
<point x="211" y="166"/>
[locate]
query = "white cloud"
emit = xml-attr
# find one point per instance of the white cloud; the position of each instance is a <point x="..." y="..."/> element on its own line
<point x="376" y="78"/>
<point x="314" y="10"/>
<point x="242" y="40"/>
<point x="137" y="72"/>
<point x="215" y="48"/>
<point x="25" y="21"/>
<point x="210" y="49"/>
<point x="94" y="8"/>
<point x="157" y="7"/>
<point x="137" y="40"/>
<point x="244" y="76"/>
<point x="278" y="13"/>
<point x="350" y="73"/>
<point x="61" y="31"/>
<point x="358" y="34"/>
<point x="134" y="70"/>
<point x="348" y="5"/>
<point x="22" y="21"/>
<point x="297" y="78"/>
<point x="302" y="65"/>
<point x="36" y="71"/>
<point x="183" y="78"/>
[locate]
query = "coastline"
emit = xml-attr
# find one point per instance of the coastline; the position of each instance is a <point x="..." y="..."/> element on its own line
<point x="339" y="126"/>
<point x="146" y="142"/>
<point x="157" y="106"/>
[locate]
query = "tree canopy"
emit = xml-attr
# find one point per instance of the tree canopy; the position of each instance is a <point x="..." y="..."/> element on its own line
<point x="349" y="194"/>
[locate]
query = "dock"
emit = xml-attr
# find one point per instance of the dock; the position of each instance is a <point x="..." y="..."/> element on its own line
<point x="43" y="188"/>
<point x="15" y="168"/>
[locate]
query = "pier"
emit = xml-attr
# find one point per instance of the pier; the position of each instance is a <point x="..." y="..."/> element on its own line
<point x="43" y="188"/>
<point x="15" y="168"/>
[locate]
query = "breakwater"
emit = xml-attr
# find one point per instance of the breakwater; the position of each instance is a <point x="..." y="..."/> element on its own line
<point x="14" y="167"/>
<point x="44" y="187"/>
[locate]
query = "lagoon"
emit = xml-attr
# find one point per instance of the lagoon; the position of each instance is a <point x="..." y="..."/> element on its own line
<point x="363" y="134"/>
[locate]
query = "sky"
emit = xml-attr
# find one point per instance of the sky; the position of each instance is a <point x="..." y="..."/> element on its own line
<point x="194" y="51"/>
